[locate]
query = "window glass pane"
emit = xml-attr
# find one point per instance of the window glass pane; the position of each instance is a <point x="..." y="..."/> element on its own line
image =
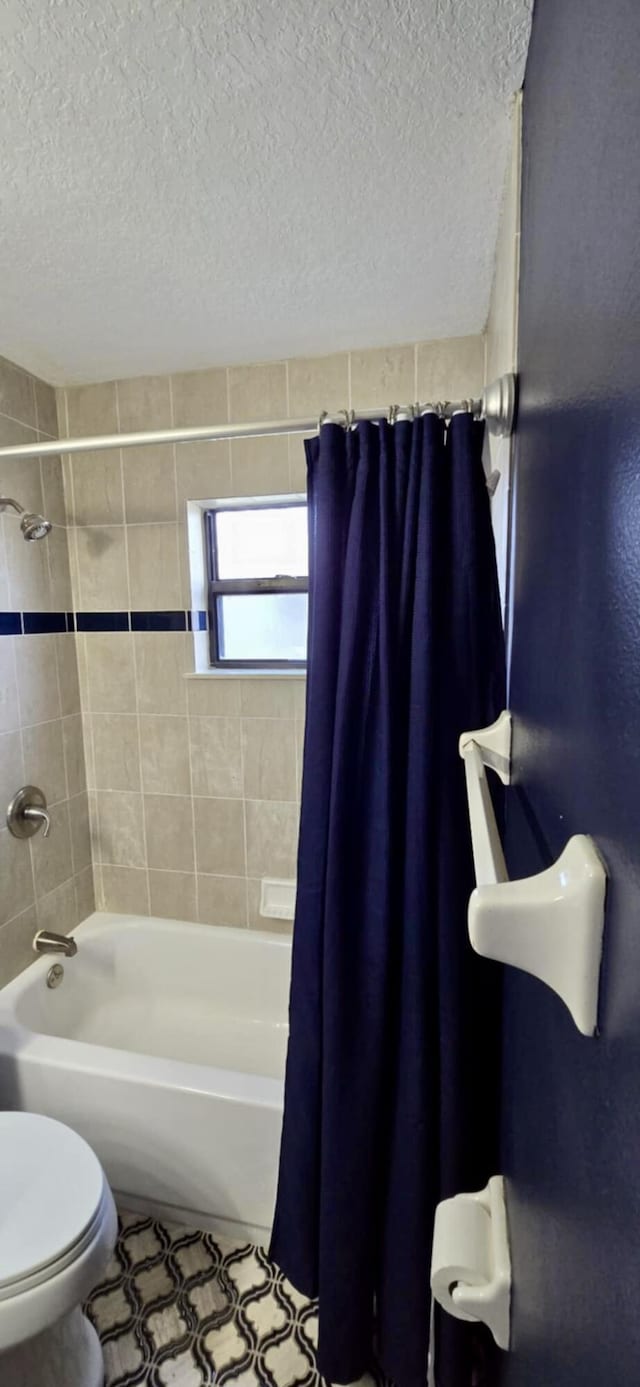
<point x="264" y="543"/>
<point x="265" y="626"/>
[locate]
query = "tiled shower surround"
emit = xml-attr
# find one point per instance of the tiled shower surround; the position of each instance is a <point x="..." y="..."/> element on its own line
<point x="44" y="883"/>
<point x="194" y="782"/>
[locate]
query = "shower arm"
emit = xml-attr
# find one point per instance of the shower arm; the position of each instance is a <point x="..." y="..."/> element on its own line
<point x="496" y="406"/>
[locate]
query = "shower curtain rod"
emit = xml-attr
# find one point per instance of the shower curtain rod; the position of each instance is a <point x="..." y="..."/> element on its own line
<point x="496" y="406"/>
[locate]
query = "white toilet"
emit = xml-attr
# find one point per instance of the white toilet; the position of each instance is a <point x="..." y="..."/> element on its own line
<point x="58" y="1227"/>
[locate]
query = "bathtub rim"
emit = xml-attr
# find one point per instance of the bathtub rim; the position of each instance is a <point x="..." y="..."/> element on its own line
<point x="18" y="1042"/>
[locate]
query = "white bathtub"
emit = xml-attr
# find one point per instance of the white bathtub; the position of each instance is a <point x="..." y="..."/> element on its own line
<point x="164" y="1046"/>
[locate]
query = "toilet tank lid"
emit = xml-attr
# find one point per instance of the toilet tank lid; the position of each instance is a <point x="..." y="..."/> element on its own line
<point x="51" y="1184"/>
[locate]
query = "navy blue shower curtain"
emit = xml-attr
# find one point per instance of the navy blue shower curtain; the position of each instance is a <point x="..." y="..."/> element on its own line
<point x="392" y="1069"/>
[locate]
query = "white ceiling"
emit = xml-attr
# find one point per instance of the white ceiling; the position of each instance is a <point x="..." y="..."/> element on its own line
<point x="192" y="182"/>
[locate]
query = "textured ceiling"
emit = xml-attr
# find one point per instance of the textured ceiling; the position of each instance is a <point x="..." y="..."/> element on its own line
<point x="187" y="182"/>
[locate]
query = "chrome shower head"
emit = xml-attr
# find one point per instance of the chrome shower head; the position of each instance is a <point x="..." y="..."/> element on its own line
<point x="34" y="526"/>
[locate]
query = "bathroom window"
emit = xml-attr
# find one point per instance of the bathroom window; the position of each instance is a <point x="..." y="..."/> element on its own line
<point x="258" y="584"/>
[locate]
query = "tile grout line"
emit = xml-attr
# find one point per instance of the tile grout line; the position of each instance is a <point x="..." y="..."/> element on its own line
<point x="57" y="659"/>
<point x="85" y="713"/>
<point x="17" y="681"/>
<point x="244" y="818"/>
<point x="299" y="756"/>
<point x="87" y="723"/>
<point x="3" y="523"/>
<point x="68" y="799"/>
<point x="225" y="799"/>
<point x="133" y="655"/>
<point x="62" y="805"/>
<point x="33" y="428"/>
<point x="21" y="731"/>
<point x="186" y="692"/>
<point x="33" y="905"/>
<point x="70" y="506"/>
<point x="34" y="399"/>
<point x="290" y="460"/>
<point x="180" y="872"/>
<point x="118" y="524"/>
<point x="241" y="742"/>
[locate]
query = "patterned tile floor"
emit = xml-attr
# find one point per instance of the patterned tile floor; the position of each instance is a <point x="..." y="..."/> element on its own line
<point x="181" y="1308"/>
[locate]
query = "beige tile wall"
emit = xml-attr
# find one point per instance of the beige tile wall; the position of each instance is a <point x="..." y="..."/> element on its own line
<point x="44" y="883"/>
<point x="194" y="783"/>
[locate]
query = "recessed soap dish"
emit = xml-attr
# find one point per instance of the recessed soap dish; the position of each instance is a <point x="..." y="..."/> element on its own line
<point x="277" y="898"/>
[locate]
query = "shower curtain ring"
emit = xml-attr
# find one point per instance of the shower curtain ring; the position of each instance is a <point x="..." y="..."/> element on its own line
<point x="401" y="414"/>
<point x="346" y="418"/>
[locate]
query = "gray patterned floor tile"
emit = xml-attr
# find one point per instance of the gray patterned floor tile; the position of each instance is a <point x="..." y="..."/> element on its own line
<point x="182" y="1308"/>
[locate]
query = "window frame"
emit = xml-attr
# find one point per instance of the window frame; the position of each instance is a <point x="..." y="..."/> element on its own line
<point x="228" y="587"/>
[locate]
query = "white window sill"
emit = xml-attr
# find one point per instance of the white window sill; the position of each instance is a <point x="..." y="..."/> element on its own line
<point x="247" y="674"/>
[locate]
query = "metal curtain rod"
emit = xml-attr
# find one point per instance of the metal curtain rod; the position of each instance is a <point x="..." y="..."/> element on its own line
<point x="496" y="406"/>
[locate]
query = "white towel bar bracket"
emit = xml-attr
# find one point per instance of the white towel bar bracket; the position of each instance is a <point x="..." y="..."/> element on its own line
<point x="550" y="924"/>
<point x="494" y="743"/>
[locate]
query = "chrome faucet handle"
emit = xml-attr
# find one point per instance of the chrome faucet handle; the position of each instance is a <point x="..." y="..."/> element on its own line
<point x="28" y="812"/>
<point x="36" y="816"/>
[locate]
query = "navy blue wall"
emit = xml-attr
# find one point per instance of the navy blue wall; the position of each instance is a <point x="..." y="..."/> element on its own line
<point x="571" y="1140"/>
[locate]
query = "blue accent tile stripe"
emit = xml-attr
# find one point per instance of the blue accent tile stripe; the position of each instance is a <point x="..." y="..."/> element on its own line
<point x="38" y="623"/>
<point x="158" y="621"/>
<point x="102" y="621"/>
<point x="42" y="623"/>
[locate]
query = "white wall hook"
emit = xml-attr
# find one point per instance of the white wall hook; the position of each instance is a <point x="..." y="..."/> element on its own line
<point x="550" y="924"/>
<point x="470" y="1261"/>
